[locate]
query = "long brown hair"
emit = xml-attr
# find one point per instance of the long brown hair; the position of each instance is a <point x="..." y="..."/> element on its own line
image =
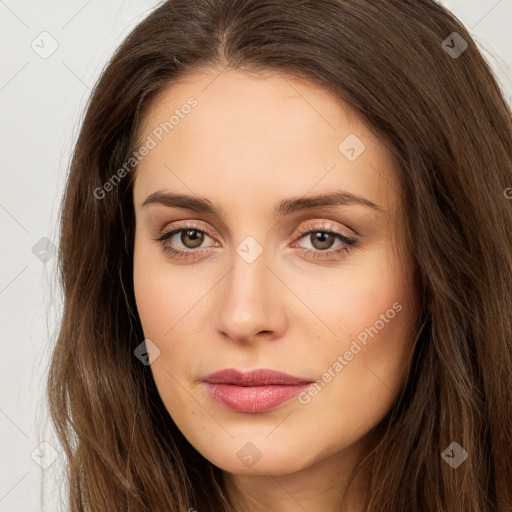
<point x="437" y="107"/>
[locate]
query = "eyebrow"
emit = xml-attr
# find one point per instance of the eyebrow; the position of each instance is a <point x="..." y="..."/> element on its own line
<point x="284" y="207"/>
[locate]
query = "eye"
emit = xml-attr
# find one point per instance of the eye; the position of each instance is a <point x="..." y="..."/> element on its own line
<point x="189" y="236"/>
<point x="322" y="238"/>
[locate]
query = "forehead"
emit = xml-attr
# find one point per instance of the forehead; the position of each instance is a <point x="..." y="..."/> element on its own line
<point x="249" y="134"/>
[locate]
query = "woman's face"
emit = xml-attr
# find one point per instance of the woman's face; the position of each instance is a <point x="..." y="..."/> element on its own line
<point x="276" y="268"/>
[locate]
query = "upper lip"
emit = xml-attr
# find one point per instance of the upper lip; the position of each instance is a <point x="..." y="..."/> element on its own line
<point x="259" y="377"/>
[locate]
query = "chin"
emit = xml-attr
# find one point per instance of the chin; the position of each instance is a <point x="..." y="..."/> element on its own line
<point x="255" y="455"/>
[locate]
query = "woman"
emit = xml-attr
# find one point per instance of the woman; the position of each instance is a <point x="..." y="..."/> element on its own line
<point x="287" y="264"/>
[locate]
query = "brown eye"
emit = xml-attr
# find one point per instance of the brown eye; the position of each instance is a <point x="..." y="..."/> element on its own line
<point x="184" y="242"/>
<point x="192" y="238"/>
<point x="322" y="240"/>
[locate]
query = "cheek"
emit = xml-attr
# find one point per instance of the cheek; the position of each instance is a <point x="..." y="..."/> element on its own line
<point x="154" y="304"/>
<point x="168" y="307"/>
<point x="372" y="312"/>
<point x="162" y="315"/>
<point x="381" y="313"/>
<point x="355" y="295"/>
<point x="160" y="295"/>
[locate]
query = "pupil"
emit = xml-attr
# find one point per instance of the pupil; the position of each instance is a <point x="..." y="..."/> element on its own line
<point x="196" y="240"/>
<point x="322" y="240"/>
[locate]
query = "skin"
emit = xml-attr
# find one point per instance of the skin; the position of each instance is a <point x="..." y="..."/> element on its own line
<point x="252" y="141"/>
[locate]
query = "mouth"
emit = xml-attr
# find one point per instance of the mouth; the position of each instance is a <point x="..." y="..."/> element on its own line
<point x="253" y="392"/>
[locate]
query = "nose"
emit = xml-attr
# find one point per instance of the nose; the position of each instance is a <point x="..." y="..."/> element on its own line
<point x="251" y="302"/>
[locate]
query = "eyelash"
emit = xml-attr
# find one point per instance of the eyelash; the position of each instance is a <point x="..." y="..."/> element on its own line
<point x="305" y="230"/>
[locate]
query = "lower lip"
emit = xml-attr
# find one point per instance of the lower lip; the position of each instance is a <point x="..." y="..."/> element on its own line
<point x="252" y="399"/>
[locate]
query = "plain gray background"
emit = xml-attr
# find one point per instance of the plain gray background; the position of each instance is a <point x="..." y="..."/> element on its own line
<point x="42" y="98"/>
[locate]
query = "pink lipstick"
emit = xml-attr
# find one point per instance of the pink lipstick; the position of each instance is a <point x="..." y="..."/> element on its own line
<point x="255" y="391"/>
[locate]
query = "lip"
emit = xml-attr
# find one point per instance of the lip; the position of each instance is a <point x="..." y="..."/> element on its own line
<point x="256" y="391"/>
